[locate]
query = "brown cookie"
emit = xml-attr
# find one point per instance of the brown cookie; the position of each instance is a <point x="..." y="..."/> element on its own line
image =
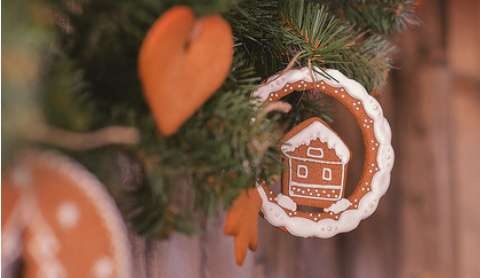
<point x="183" y="60"/>
<point x="316" y="159"/>
<point x="315" y="164"/>
<point x="70" y="227"/>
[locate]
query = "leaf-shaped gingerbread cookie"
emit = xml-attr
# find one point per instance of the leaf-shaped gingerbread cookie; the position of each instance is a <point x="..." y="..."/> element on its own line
<point x="183" y="60"/>
<point x="242" y="223"/>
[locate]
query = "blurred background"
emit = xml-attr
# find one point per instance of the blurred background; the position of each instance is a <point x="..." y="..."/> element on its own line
<point x="428" y="223"/>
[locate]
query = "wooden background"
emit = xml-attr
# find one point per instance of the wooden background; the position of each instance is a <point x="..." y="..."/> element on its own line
<point x="428" y="224"/>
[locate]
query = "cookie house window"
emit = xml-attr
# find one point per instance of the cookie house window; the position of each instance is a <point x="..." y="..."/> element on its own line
<point x="302" y="171"/>
<point x="315" y="152"/>
<point x="327" y="174"/>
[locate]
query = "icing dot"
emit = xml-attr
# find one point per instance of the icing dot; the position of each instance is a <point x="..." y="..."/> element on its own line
<point x="328" y="195"/>
<point x="316" y="219"/>
<point x="67" y="215"/>
<point x="336" y="216"/>
<point x="323" y="87"/>
<point x="103" y="268"/>
<point x="343" y="96"/>
<point x="336" y="195"/>
<point x="336" y="91"/>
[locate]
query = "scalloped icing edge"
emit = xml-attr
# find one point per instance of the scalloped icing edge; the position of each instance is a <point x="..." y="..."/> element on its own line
<point x="349" y="219"/>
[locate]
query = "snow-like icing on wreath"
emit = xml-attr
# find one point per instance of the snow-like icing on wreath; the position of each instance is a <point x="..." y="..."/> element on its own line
<point x="316" y="159"/>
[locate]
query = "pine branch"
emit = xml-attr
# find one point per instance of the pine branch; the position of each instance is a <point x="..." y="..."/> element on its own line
<point x="331" y="43"/>
<point x="380" y="16"/>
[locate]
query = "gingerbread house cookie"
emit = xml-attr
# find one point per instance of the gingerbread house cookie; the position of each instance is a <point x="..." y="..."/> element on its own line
<point x="315" y="164"/>
<point x="316" y="159"/>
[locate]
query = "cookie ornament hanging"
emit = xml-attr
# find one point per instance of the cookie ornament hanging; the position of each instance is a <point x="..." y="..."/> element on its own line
<point x="316" y="159"/>
<point x="313" y="201"/>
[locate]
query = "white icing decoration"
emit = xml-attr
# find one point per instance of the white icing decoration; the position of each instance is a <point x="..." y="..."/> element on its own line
<point x="348" y="219"/>
<point x="43" y="245"/>
<point x="286" y="202"/>
<point x="339" y="206"/>
<point x="103" y="268"/>
<point x="104" y="206"/>
<point x="67" y="215"/>
<point x="317" y="130"/>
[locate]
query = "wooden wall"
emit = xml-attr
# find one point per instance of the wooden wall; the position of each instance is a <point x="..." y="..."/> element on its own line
<point x="428" y="224"/>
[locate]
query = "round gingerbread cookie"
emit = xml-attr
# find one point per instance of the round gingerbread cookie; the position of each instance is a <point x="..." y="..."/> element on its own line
<point x="69" y="225"/>
<point x="316" y="159"/>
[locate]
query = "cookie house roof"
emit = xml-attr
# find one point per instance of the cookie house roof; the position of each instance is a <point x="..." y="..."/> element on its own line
<point x="316" y="129"/>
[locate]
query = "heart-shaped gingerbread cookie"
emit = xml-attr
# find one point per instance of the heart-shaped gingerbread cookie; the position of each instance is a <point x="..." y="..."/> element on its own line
<point x="182" y="62"/>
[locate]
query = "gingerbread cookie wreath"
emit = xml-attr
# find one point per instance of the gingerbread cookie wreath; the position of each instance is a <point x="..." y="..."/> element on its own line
<point x="315" y="164"/>
<point x="316" y="159"/>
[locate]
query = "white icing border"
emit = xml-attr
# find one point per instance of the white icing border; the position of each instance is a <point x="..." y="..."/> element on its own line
<point x="350" y="218"/>
<point x="104" y="204"/>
